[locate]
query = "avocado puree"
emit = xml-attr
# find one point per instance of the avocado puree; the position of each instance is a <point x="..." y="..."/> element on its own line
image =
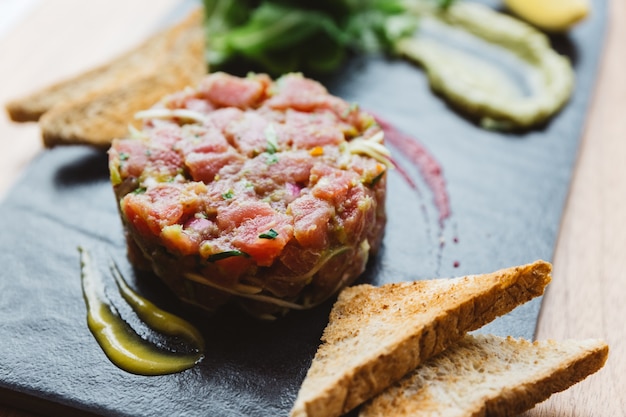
<point x="476" y="86"/>
<point x="123" y="346"/>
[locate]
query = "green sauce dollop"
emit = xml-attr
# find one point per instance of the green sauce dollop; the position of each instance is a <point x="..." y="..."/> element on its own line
<point x="476" y="87"/>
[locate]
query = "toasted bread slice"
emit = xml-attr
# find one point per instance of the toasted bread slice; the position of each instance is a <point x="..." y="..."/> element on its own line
<point x="142" y="61"/>
<point x="97" y="106"/>
<point x="377" y="335"/>
<point x="489" y="375"/>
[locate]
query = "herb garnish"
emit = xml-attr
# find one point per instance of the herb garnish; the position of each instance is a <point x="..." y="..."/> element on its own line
<point x="280" y="36"/>
<point x="346" y="112"/>
<point x="270" y="234"/>
<point x="272" y="139"/>
<point x="227" y="254"/>
<point x="271" y="159"/>
<point x="377" y="178"/>
<point x="228" y="195"/>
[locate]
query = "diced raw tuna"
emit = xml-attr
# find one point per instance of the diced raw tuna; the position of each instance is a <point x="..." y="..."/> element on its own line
<point x="260" y="198"/>
<point x="224" y="90"/>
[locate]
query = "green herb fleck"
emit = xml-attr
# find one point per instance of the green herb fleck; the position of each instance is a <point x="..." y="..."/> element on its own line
<point x="139" y="190"/>
<point x="228" y="195"/>
<point x="271" y="159"/>
<point x="227" y="254"/>
<point x="124" y="156"/>
<point x="349" y="109"/>
<point x="272" y="139"/>
<point x="377" y="178"/>
<point x="271" y="234"/>
<point x="444" y="4"/>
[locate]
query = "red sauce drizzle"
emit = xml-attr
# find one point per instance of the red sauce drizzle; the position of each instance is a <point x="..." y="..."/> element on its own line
<point x="427" y="165"/>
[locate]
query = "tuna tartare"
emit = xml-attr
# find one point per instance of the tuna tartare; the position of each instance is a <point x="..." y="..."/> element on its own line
<point x="268" y="193"/>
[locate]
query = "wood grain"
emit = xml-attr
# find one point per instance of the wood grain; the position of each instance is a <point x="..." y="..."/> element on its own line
<point x="54" y="41"/>
<point x="586" y="298"/>
<point x="587" y="295"/>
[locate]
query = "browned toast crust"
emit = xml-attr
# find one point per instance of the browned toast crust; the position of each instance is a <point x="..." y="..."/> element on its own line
<point x="376" y="335"/>
<point x="487" y="375"/>
<point x="516" y="400"/>
<point x="97" y="106"/>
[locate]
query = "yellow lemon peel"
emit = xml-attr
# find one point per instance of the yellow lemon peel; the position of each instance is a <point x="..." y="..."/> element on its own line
<point x="550" y="15"/>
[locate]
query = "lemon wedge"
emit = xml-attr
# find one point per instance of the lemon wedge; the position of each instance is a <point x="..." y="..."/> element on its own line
<point x="550" y="15"/>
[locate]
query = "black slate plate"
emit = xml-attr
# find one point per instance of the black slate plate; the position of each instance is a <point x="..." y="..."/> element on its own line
<point x="507" y="193"/>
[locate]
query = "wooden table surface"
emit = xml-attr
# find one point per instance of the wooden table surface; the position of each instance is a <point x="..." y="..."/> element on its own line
<point x="50" y="40"/>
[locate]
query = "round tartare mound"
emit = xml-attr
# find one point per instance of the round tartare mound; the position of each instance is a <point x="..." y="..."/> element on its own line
<point x="271" y="194"/>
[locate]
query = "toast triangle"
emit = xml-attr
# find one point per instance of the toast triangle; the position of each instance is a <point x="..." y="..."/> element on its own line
<point x="489" y="375"/>
<point x="376" y="335"/>
<point x="96" y="106"/>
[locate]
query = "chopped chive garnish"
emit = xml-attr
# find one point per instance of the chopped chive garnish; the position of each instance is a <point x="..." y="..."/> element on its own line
<point x="346" y="112"/>
<point x="272" y="139"/>
<point x="444" y="4"/>
<point x="377" y="178"/>
<point x="227" y="195"/>
<point x="227" y="254"/>
<point x="271" y="234"/>
<point x="271" y="159"/>
<point x="139" y="190"/>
